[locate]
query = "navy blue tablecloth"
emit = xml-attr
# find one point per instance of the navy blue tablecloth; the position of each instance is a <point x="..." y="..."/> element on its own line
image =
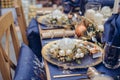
<point x="54" y="70"/>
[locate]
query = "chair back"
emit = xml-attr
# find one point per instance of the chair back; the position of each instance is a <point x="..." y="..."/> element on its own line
<point x="7" y="31"/>
<point x="21" y="20"/>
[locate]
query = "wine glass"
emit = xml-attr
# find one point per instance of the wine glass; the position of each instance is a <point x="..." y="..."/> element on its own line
<point x="111" y="56"/>
<point x="91" y="8"/>
<point x="93" y="5"/>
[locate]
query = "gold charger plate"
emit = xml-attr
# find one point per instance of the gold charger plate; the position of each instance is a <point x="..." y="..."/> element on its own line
<point x="85" y="62"/>
<point x="41" y="18"/>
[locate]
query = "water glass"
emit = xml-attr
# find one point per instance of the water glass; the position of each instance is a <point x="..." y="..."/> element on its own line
<point x="111" y="56"/>
<point x="91" y="8"/>
<point x="93" y="5"/>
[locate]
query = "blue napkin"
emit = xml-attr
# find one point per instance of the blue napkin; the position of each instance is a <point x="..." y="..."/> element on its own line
<point x="111" y="34"/>
<point x="34" y="38"/>
<point x="29" y="67"/>
<point x="73" y="6"/>
<point x="109" y="3"/>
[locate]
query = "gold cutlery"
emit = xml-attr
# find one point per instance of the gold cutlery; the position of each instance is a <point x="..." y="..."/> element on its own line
<point x="68" y="75"/>
<point x="72" y="75"/>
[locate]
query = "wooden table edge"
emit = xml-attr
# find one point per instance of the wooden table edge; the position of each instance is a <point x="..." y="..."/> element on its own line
<point x="47" y="70"/>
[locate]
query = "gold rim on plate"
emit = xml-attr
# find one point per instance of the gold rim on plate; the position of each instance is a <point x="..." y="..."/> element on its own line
<point x="63" y="64"/>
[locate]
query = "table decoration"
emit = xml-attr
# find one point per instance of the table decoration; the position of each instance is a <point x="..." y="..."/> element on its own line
<point x="91" y="31"/>
<point x="80" y="29"/>
<point x="72" y="53"/>
<point x="57" y="19"/>
<point x="90" y="14"/>
<point x="106" y="11"/>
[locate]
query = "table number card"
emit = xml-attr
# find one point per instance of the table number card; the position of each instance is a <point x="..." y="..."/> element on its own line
<point x="99" y="54"/>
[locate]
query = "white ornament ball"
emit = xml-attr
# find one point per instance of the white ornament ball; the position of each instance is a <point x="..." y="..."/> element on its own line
<point x="68" y="52"/>
<point x="106" y="11"/>
<point x="52" y="50"/>
<point x="78" y="50"/>
<point x="77" y="55"/>
<point x="62" y="53"/>
<point x="81" y="55"/>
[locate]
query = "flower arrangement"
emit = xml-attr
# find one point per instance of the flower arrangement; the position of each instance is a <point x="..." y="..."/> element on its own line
<point x="87" y="30"/>
<point x="56" y="18"/>
<point x="67" y="50"/>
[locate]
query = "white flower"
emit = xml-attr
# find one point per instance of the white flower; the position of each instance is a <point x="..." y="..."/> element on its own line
<point x="106" y="11"/>
<point x="78" y="50"/>
<point x="80" y="45"/>
<point x="68" y="52"/>
<point x="52" y="50"/>
<point x="66" y="44"/>
<point x="77" y="55"/>
<point x="55" y="46"/>
<point x="81" y="55"/>
<point x="62" y="53"/>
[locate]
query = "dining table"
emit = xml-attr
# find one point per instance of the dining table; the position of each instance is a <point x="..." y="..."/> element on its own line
<point x="49" y="35"/>
<point x="53" y="70"/>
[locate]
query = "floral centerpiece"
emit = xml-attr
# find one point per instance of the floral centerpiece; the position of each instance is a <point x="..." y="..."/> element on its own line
<point x="58" y="19"/>
<point x="55" y="19"/>
<point x="87" y="30"/>
<point x="68" y="50"/>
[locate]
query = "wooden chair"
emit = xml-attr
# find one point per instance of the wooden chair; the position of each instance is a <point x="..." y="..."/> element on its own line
<point x="26" y="59"/>
<point x="21" y="20"/>
<point x="28" y="39"/>
<point x="7" y="28"/>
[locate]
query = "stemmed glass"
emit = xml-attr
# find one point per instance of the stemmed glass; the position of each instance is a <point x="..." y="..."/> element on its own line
<point x="91" y="8"/>
<point x="93" y="5"/>
<point x="111" y="57"/>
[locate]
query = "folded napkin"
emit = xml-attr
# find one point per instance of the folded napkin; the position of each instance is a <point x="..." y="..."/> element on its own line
<point x="73" y="6"/>
<point x="109" y="3"/>
<point x="56" y="33"/>
<point x="111" y="34"/>
<point x="34" y="38"/>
